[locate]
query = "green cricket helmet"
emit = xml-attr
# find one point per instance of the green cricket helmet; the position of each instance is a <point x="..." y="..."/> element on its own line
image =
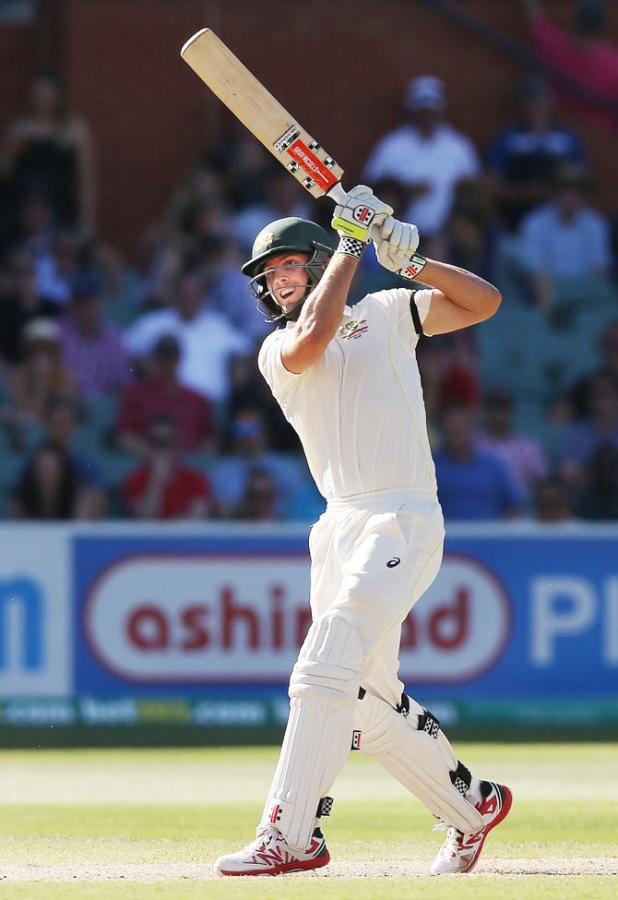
<point x="291" y="235"/>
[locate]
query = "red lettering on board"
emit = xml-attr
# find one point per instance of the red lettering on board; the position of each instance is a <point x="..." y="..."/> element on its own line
<point x="449" y="624"/>
<point x="147" y="628"/>
<point x="231" y="613"/>
<point x="196" y="634"/>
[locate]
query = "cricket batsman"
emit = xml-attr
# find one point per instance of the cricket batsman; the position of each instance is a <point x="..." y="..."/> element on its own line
<point x="347" y="380"/>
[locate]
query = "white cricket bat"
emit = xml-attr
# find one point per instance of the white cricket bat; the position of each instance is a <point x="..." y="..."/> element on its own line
<point x="271" y="124"/>
<point x="264" y="116"/>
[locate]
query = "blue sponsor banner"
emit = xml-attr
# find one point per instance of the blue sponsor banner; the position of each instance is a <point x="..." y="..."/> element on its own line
<point x="35" y="612"/>
<point x="214" y="613"/>
<point x="515" y="612"/>
<point x="562" y="593"/>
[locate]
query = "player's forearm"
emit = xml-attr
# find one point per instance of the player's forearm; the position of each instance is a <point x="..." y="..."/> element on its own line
<point x="321" y="313"/>
<point x="462" y="288"/>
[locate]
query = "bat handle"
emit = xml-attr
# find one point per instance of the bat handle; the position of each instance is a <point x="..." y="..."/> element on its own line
<point x="337" y="193"/>
<point x="416" y="263"/>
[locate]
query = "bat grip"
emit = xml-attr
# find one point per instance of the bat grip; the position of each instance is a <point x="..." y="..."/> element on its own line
<point x="337" y="193"/>
<point x="416" y="262"/>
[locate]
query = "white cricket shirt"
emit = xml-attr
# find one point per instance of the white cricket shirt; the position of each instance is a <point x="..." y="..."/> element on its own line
<point x="359" y="410"/>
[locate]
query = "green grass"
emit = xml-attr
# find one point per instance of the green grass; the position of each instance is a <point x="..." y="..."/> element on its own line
<point x="148" y="823"/>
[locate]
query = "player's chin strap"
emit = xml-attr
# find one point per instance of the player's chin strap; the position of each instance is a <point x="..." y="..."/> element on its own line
<point x="274" y="314"/>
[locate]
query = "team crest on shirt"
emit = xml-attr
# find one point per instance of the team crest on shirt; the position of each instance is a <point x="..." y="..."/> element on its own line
<point x="353" y="330"/>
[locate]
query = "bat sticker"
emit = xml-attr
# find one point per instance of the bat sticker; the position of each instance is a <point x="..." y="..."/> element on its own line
<point x="319" y="172"/>
<point x="287" y="138"/>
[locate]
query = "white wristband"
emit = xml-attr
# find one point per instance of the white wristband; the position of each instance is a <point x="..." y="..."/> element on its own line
<point x="416" y="264"/>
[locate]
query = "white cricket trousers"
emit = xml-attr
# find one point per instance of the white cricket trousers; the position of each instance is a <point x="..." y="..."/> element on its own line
<point x="372" y="557"/>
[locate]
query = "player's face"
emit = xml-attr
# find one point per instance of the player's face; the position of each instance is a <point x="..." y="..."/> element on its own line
<point x="286" y="278"/>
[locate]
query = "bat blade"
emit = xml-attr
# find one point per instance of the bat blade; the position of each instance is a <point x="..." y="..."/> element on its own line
<point x="262" y="114"/>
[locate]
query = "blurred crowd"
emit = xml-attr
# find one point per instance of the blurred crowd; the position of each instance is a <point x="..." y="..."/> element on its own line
<point x="132" y="390"/>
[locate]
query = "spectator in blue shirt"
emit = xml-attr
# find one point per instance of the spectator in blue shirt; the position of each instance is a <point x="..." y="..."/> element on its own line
<point x="599" y="428"/>
<point x="472" y="484"/>
<point x="251" y="450"/>
<point x="523" y="158"/>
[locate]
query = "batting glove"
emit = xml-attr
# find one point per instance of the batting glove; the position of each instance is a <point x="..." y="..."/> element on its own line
<point x="354" y="217"/>
<point x="396" y="248"/>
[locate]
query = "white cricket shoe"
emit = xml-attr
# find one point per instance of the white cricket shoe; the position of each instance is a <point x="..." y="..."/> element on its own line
<point x="460" y="852"/>
<point x="270" y="854"/>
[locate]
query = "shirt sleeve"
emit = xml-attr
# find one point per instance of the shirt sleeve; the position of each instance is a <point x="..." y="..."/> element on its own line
<point x="422" y="299"/>
<point x="397" y="304"/>
<point x="281" y="382"/>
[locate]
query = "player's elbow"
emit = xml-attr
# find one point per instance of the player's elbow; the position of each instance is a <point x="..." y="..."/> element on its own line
<point x="492" y="299"/>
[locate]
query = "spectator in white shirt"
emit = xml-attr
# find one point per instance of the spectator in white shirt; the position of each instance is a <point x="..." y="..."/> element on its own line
<point x="425" y="154"/>
<point x="208" y="341"/>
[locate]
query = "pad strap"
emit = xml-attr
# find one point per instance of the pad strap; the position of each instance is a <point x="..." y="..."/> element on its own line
<point x="461" y="778"/>
<point x="426" y="721"/>
<point x="409" y="743"/>
<point x="324" y="807"/>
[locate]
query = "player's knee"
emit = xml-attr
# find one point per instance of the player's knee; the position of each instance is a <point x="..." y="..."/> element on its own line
<point x="373" y="721"/>
<point x="330" y="661"/>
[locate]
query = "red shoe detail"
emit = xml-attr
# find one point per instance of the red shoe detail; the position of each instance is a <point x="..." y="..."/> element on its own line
<point x="271" y="855"/>
<point x="291" y="865"/>
<point x="460" y="852"/>
<point x="475" y="841"/>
